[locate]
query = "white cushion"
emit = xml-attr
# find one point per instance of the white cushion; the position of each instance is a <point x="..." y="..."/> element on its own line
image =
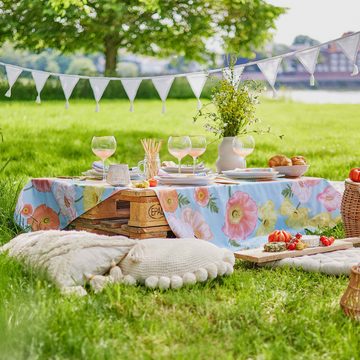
<point x="173" y="263"/>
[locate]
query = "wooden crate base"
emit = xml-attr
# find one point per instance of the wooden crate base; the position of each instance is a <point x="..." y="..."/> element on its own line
<point x="133" y="213"/>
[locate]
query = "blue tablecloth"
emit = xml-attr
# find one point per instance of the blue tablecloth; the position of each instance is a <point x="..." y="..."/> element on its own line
<point x="232" y="216"/>
<point x="240" y="216"/>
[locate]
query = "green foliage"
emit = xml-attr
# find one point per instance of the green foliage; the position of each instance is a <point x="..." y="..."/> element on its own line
<point x="235" y="107"/>
<point x="152" y="27"/>
<point x="337" y="231"/>
<point x="183" y="200"/>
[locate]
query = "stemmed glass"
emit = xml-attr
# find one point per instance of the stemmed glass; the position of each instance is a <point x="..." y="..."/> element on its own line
<point x="243" y="145"/>
<point x="179" y="147"/>
<point x="198" y="147"/>
<point x="103" y="147"/>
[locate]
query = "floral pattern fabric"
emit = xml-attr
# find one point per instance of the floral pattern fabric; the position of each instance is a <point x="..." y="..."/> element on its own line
<point x="51" y="204"/>
<point x="241" y="216"/>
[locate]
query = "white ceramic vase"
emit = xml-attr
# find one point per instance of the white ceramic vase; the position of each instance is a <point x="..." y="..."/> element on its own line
<point x="228" y="159"/>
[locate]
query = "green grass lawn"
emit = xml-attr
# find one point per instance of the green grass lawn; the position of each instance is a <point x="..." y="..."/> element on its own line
<point x="254" y="314"/>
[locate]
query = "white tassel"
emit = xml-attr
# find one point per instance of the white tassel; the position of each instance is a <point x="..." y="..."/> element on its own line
<point x="67" y="104"/>
<point x="97" y="107"/>
<point x="131" y="106"/>
<point x="198" y="104"/>
<point x="355" y="70"/>
<point x="8" y="93"/>
<point x="312" y="80"/>
<point x="163" y="107"/>
<point x="274" y="93"/>
<point x="38" y="100"/>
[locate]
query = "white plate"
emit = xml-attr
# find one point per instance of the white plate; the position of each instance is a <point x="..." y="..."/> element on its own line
<point x="292" y="171"/>
<point x="185" y="170"/>
<point x="185" y="180"/>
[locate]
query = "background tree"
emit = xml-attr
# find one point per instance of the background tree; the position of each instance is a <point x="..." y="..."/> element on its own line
<point x="148" y="27"/>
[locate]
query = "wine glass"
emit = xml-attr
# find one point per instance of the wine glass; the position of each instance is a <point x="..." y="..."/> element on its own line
<point x="243" y="145"/>
<point x="179" y="147"/>
<point x="103" y="147"/>
<point x="198" y="147"/>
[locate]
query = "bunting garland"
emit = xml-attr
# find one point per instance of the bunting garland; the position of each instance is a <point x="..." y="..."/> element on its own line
<point x="308" y="59"/>
<point x="197" y="83"/>
<point x="349" y="45"/>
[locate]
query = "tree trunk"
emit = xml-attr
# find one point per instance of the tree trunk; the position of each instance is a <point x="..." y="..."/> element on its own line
<point x="111" y="50"/>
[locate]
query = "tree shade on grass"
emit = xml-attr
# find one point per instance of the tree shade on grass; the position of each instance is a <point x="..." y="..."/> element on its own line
<point x="256" y="313"/>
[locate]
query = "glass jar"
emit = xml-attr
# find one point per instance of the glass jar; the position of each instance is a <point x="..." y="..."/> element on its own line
<point x="149" y="167"/>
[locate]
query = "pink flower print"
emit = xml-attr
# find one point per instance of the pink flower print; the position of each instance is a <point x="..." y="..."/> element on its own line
<point x="27" y="210"/>
<point x="312" y="181"/>
<point x="241" y="216"/>
<point x="196" y="221"/>
<point x="65" y="197"/>
<point x="42" y="185"/>
<point x="202" y="196"/>
<point x="330" y="198"/>
<point x="302" y="191"/>
<point x="180" y="228"/>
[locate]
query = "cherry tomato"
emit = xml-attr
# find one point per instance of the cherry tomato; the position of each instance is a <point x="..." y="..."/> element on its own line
<point x="355" y="174"/>
<point x="153" y="182"/>
<point x="331" y="240"/>
<point x="291" y="246"/>
<point x="298" y="236"/>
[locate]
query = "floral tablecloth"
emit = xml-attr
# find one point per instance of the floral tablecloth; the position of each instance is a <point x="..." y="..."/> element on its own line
<point x="240" y="216"/>
<point x="232" y="216"/>
<point x="49" y="204"/>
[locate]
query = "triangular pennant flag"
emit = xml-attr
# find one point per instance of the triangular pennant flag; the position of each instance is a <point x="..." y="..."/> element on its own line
<point x="131" y="87"/>
<point x="233" y="78"/>
<point x="162" y="86"/>
<point x="197" y="82"/>
<point x="350" y="47"/>
<point x="270" y="69"/>
<point x="40" y="78"/>
<point x="98" y="86"/>
<point x="308" y="59"/>
<point x="12" y="73"/>
<point x="68" y="83"/>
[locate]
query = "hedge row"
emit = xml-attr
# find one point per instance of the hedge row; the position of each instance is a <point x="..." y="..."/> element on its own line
<point x="24" y="89"/>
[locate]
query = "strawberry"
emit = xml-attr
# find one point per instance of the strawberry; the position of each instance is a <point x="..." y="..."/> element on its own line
<point x="326" y="242"/>
<point x="298" y="236"/>
<point x="331" y="240"/>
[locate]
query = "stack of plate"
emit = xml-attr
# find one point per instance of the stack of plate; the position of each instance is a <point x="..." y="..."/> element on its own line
<point x="184" y="179"/>
<point x="186" y="169"/>
<point x="252" y="174"/>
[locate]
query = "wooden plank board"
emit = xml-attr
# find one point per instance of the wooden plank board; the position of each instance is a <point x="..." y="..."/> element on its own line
<point x="260" y="256"/>
<point x="353" y="240"/>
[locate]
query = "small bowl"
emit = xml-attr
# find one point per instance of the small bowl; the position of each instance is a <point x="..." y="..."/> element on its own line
<point x="292" y="171"/>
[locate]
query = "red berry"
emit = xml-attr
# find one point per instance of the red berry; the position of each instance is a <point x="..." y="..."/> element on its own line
<point x="323" y="238"/>
<point x="298" y="236"/>
<point x="291" y="246"/>
<point x="331" y="240"/>
<point x="326" y="242"/>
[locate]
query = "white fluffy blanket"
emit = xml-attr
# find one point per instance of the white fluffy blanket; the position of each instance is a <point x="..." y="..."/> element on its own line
<point x="71" y="258"/>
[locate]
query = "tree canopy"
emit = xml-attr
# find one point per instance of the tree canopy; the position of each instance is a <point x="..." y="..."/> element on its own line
<point x="148" y="27"/>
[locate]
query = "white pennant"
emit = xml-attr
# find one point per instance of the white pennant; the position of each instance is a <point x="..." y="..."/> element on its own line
<point x="131" y="87"/>
<point x="235" y="77"/>
<point x="308" y="59"/>
<point x="12" y="73"/>
<point x="40" y="78"/>
<point x="270" y="70"/>
<point x="197" y="82"/>
<point x="98" y="86"/>
<point x="162" y="86"/>
<point x="350" y="47"/>
<point x="68" y="83"/>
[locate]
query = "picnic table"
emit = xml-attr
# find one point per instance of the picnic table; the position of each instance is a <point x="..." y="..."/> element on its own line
<point x="236" y="216"/>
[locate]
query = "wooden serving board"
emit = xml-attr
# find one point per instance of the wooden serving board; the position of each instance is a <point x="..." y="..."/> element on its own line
<point x="260" y="256"/>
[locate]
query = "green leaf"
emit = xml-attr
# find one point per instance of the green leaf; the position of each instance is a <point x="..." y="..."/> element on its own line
<point x="183" y="200"/>
<point x="212" y="205"/>
<point x="287" y="192"/>
<point x="233" y="243"/>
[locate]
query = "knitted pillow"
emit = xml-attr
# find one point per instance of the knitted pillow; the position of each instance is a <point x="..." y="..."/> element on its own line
<point x="166" y="263"/>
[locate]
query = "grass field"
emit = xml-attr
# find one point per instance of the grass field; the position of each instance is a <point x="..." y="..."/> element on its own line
<point x="255" y="314"/>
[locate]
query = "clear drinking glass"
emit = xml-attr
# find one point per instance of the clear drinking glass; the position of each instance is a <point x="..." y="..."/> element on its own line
<point x="243" y="145"/>
<point x="103" y="147"/>
<point x="179" y="147"/>
<point x="198" y="147"/>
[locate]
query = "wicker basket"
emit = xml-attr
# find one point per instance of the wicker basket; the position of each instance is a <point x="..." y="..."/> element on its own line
<point x="350" y="208"/>
<point x="350" y="301"/>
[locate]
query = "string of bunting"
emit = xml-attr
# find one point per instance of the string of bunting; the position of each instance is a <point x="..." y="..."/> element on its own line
<point x="269" y="67"/>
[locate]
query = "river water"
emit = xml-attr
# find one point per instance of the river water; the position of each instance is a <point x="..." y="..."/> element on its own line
<point x="321" y="96"/>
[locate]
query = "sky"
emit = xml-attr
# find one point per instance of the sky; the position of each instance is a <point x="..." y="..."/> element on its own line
<point x="322" y="20"/>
